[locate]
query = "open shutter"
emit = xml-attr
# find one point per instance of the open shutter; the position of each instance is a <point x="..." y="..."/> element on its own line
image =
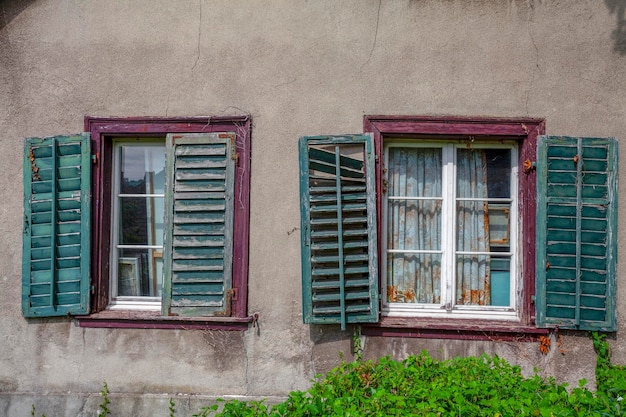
<point x="199" y="224"/>
<point x="339" y="254"/>
<point x="576" y="233"/>
<point x="55" y="264"/>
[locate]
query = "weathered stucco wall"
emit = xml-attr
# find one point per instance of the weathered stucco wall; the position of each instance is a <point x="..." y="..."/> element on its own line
<point x="298" y="68"/>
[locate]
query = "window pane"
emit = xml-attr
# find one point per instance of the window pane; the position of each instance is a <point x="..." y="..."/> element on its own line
<point x="142" y="169"/>
<point x="498" y="172"/>
<point x="487" y="170"/>
<point x="414" y="278"/>
<point x="472" y="280"/>
<point x="499" y="226"/>
<point x="414" y="172"/>
<point x="483" y="280"/>
<point x="141" y="220"/>
<point x="414" y="225"/>
<point x="139" y="272"/>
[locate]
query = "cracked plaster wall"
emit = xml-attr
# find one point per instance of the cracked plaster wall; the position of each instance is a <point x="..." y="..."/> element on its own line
<point x="299" y="68"/>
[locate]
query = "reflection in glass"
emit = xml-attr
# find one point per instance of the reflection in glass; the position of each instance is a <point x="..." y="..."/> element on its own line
<point x="139" y="222"/>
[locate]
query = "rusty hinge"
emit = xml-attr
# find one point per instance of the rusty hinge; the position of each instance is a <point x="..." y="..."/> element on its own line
<point x="529" y="166"/>
<point x="95" y="157"/>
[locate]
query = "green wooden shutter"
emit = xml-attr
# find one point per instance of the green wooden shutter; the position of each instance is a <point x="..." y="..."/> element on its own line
<point x="56" y="255"/>
<point x="576" y="233"/>
<point x="199" y="224"/>
<point x="338" y="214"/>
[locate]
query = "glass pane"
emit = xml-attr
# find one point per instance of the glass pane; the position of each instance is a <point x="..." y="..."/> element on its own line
<point x="414" y="278"/>
<point x="414" y="172"/>
<point x="500" y="285"/>
<point x="483" y="280"/>
<point x="143" y="169"/>
<point x="499" y="226"/>
<point x="484" y="173"/>
<point x="472" y="220"/>
<point x="414" y="225"/>
<point x="498" y="173"/>
<point x="141" y="220"/>
<point x="472" y="280"/>
<point x="139" y="272"/>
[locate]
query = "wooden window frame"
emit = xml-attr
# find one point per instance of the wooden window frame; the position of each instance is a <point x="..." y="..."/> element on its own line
<point x="525" y="131"/>
<point x="102" y="130"/>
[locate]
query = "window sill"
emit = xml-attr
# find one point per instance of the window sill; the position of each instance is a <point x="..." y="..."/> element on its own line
<point x="461" y="329"/>
<point x="128" y="319"/>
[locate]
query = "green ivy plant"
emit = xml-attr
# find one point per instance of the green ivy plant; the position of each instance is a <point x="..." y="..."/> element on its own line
<point x="423" y="386"/>
<point x="104" y="405"/>
<point x="610" y="379"/>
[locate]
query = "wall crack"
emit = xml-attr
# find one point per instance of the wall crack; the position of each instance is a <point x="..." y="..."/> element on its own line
<point x="375" y="36"/>
<point x="199" y="35"/>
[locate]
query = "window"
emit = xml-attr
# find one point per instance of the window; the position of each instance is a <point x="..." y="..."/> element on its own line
<point x="466" y="243"/>
<point x="165" y="242"/>
<point x="138" y="195"/>
<point x="450" y="247"/>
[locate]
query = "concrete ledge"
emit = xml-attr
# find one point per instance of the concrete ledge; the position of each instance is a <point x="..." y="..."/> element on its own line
<point x="56" y="404"/>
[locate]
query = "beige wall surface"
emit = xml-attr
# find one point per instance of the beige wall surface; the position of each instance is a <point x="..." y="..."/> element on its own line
<point x="298" y="67"/>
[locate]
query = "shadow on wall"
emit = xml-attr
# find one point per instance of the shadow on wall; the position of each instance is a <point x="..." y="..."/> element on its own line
<point x="618" y="7"/>
<point x="9" y="9"/>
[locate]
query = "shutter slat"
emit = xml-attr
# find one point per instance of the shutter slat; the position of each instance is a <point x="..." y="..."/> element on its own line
<point x="198" y="224"/>
<point x="339" y="267"/>
<point x="56" y="255"/>
<point x="577" y="222"/>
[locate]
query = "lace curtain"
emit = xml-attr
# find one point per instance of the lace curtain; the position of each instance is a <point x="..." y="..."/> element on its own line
<point x="414" y="225"/>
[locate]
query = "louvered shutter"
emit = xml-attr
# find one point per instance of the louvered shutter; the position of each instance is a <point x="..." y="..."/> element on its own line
<point x="576" y="233"/>
<point x="199" y="224"/>
<point x="338" y="214"/>
<point x="56" y="255"/>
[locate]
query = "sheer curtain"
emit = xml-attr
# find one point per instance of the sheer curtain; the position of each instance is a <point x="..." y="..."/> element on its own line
<point x="414" y="224"/>
<point x="472" y="270"/>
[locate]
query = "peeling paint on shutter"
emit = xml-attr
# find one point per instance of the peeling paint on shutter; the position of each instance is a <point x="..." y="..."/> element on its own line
<point x="338" y="214"/>
<point x="199" y="224"/>
<point x="56" y="255"/>
<point x="576" y="233"/>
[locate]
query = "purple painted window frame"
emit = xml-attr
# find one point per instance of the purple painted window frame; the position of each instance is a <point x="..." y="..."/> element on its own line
<point x="525" y="131"/>
<point x="103" y="130"/>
